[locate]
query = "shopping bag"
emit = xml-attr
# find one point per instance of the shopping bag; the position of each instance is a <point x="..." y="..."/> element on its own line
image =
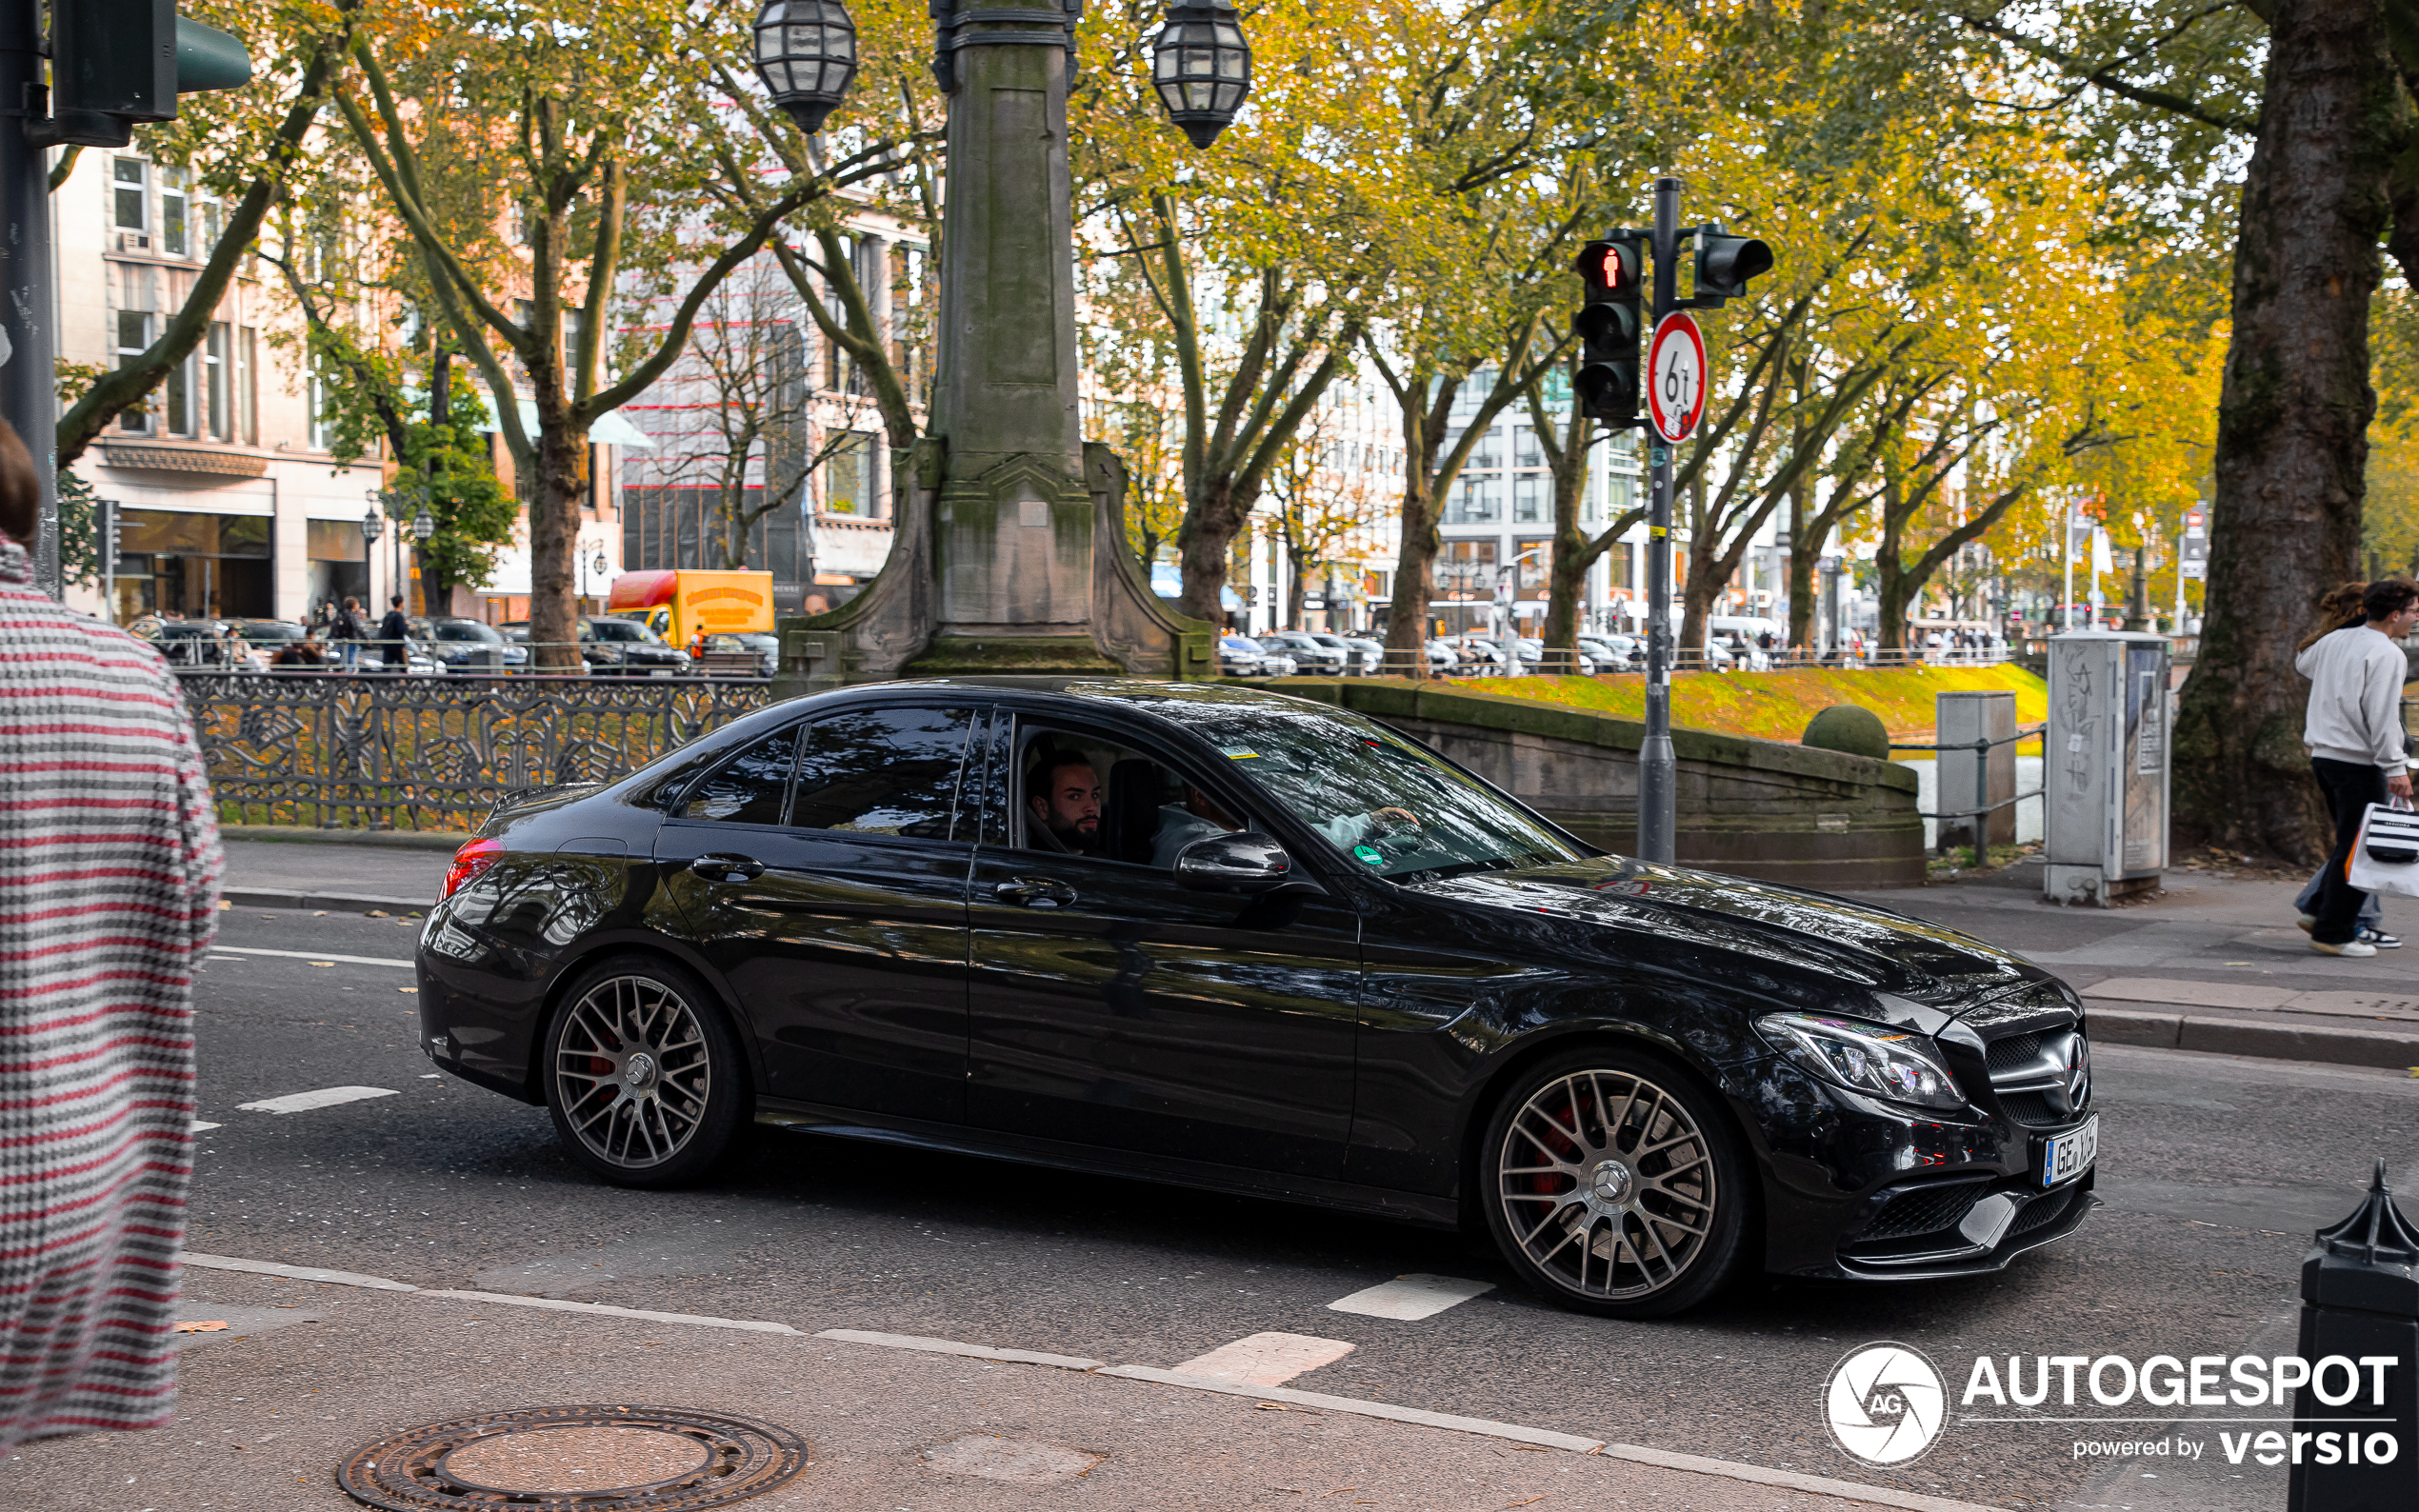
<point x="2386" y="857"/>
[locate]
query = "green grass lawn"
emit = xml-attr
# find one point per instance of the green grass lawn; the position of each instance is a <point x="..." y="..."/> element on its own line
<point x="1776" y="705"/>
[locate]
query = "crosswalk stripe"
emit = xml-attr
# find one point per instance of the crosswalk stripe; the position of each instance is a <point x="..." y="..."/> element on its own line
<point x="324" y="1097"/>
<point x="1265" y="1360"/>
<point x="1412" y="1298"/>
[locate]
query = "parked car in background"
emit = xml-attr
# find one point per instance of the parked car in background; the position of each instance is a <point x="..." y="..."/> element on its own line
<point x="1309" y="655"/>
<point x="1614" y="653"/>
<point x="740" y="656"/>
<point x="1369" y="657"/>
<point x="1238" y="656"/>
<point x="473" y="648"/>
<point x="1442" y="656"/>
<point x="1477" y="656"/>
<point x="190" y="646"/>
<point x="615" y="648"/>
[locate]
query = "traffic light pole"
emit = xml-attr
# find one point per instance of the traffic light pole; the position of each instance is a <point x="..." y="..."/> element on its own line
<point x="1657" y="769"/>
<point x="28" y="388"/>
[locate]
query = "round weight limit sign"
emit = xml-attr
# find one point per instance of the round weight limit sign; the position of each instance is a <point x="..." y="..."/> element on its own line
<point x="1676" y="376"/>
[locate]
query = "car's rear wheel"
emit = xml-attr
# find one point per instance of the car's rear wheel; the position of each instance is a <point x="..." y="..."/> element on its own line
<point x="644" y="1078"/>
<point x="1616" y="1184"/>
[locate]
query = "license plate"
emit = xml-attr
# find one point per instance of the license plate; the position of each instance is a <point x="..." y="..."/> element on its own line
<point x="2070" y="1155"/>
<point x="659" y="671"/>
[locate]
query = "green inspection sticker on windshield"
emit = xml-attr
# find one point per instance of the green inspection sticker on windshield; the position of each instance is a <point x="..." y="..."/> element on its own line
<point x="1370" y="855"/>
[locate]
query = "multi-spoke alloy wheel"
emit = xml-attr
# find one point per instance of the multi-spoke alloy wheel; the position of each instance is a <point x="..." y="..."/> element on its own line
<point x="637" y="1062"/>
<point x="1611" y="1187"/>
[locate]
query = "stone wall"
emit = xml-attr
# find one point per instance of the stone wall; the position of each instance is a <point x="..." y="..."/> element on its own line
<point x="1754" y="807"/>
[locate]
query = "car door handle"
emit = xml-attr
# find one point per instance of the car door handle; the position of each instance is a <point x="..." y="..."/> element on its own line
<point x="720" y="867"/>
<point x="1034" y="892"/>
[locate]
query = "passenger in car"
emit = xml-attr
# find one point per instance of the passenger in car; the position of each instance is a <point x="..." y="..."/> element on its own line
<point x="1062" y="796"/>
<point x="1197" y="818"/>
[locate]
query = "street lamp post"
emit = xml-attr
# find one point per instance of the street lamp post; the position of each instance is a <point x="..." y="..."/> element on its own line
<point x="424" y="525"/>
<point x="1011" y="571"/>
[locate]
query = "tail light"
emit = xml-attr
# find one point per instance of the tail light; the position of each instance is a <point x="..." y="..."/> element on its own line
<point x="473" y="858"/>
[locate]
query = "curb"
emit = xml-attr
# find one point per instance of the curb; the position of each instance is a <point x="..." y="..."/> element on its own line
<point x="446" y="840"/>
<point x="349" y="903"/>
<point x="2332" y="1045"/>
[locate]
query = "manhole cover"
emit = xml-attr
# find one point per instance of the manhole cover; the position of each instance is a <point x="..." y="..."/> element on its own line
<point x="614" y="1459"/>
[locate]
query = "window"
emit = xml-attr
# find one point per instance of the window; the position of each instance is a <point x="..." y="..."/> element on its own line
<point x="1531" y="500"/>
<point x="215" y="381"/>
<point x="126" y="197"/>
<point x="885" y="771"/>
<point x="1524" y="449"/>
<point x="1478" y="501"/>
<point x="247" y="386"/>
<point x="1466" y="567"/>
<point x="751" y="788"/>
<point x="1138" y="810"/>
<point x="1621" y="554"/>
<point x="848" y="475"/>
<point x="1536" y="563"/>
<point x="315" y="402"/>
<point x="176" y="210"/>
<point x="133" y="339"/>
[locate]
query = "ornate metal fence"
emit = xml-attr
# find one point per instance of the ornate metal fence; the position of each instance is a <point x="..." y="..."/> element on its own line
<point x="433" y="753"/>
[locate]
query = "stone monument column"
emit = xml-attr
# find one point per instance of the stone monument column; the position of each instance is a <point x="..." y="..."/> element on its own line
<point x="1011" y="554"/>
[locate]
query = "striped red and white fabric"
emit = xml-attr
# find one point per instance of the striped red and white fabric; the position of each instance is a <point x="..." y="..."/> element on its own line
<point x="109" y="889"/>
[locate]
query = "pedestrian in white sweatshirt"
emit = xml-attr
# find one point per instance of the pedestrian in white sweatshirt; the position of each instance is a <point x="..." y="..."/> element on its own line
<point x="2354" y="729"/>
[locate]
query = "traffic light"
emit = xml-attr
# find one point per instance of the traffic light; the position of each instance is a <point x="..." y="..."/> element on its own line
<point x="1726" y="263"/>
<point x="114" y="63"/>
<point x="1607" y="326"/>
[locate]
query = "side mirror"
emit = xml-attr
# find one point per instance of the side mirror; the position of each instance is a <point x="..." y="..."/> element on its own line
<point x="1248" y="864"/>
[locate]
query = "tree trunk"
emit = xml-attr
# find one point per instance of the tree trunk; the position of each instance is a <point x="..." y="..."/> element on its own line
<point x="2137" y="596"/>
<point x="1801" y="586"/>
<point x="1203" y="543"/>
<point x="2293" y="425"/>
<point x="1698" y="594"/>
<point x="1891" y="568"/>
<point x="1414" y="576"/>
<point x="554" y="514"/>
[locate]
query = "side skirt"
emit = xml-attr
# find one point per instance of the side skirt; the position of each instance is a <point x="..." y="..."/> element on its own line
<point x="855" y="1124"/>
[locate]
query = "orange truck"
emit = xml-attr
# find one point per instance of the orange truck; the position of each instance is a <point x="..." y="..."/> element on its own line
<point x="682" y="604"/>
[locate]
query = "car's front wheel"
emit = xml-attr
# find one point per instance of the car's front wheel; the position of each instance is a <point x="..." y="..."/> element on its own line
<point x="644" y="1078"/>
<point x="1614" y="1184"/>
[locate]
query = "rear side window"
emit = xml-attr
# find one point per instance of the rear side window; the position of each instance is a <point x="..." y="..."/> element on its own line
<point x="887" y="771"/>
<point x="751" y="788"/>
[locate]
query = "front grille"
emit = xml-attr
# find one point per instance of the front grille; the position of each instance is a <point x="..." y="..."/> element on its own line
<point x="2032" y="1109"/>
<point x="2043" y="1210"/>
<point x="2013" y="1051"/>
<point x="1922" y="1210"/>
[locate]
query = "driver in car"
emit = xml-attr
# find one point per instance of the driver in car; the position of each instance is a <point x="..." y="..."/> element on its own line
<point x="1063" y="797"/>
<point x="1347" y="830"/>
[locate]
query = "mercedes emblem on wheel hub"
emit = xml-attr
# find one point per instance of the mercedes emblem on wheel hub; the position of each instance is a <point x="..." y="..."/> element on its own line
<point x="640" y="1073"/>
<point x="1612" y="1182"/>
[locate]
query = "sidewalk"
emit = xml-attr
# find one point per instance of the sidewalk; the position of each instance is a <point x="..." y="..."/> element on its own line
<point x="310" y="873"/>
<point x="2214" y="963"/>
<point x="306" y="1373"/>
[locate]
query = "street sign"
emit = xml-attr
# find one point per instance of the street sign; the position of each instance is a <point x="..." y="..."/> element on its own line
<point x="1676" y="376"/>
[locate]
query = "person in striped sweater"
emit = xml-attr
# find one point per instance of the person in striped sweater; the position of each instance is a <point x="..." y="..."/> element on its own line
<point x="109" y="889"/>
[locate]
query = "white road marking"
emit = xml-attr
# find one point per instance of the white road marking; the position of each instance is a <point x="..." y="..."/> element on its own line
<point x="198" y="1127"/>
<point x="1265" y="1360"/>
<point x="1412" y="1298"/>
<point x="324" y="1097"/>
<point x="314" y="957"/>
<point x="951" y="1346"/>
<point x="1359" y="1407"/>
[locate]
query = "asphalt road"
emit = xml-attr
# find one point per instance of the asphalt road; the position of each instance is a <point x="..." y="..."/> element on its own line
<point x="2214" y="1171"/>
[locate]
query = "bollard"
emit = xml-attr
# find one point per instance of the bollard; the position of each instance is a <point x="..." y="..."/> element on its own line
<point x="2360" y="1300"/>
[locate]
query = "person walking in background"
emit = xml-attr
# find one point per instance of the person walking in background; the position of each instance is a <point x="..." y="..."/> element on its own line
<point x="2354" y="729"/>
<point x="108" y="895"/>
<point x="393" y="630"/>
<point x="350" y="632"/>
<point x="2340" y="609"/>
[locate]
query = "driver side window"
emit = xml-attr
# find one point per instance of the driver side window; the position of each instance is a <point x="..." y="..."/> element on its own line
<point x="1079" y="794"/>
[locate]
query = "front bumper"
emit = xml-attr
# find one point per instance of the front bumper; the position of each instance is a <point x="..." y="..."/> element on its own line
<point x="1859" y="1189"/>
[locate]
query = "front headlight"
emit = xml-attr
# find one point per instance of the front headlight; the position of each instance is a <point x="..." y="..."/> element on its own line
<point x="1868" y="1057"/>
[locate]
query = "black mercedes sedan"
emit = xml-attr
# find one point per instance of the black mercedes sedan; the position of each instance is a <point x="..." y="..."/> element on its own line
<point x="1235" y="939"/>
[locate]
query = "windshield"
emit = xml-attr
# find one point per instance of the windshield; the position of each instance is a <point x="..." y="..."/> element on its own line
<point x="466" y="631"/>
<point x="620" y="630"/>
<point x="1395" y="808"/>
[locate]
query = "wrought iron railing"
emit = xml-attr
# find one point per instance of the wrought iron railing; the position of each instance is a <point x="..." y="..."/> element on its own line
<point x="433" y="753"/>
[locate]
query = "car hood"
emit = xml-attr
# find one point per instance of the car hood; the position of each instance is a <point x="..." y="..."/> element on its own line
<point x="1867" y="943"/>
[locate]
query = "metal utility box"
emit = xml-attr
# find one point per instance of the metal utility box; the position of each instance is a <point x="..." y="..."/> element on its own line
<point x="1961" y="719"/>
<point x="2105" y="769"/>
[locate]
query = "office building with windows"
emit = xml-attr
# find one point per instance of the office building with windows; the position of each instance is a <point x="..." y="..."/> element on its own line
<point x="229" y="504"/>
